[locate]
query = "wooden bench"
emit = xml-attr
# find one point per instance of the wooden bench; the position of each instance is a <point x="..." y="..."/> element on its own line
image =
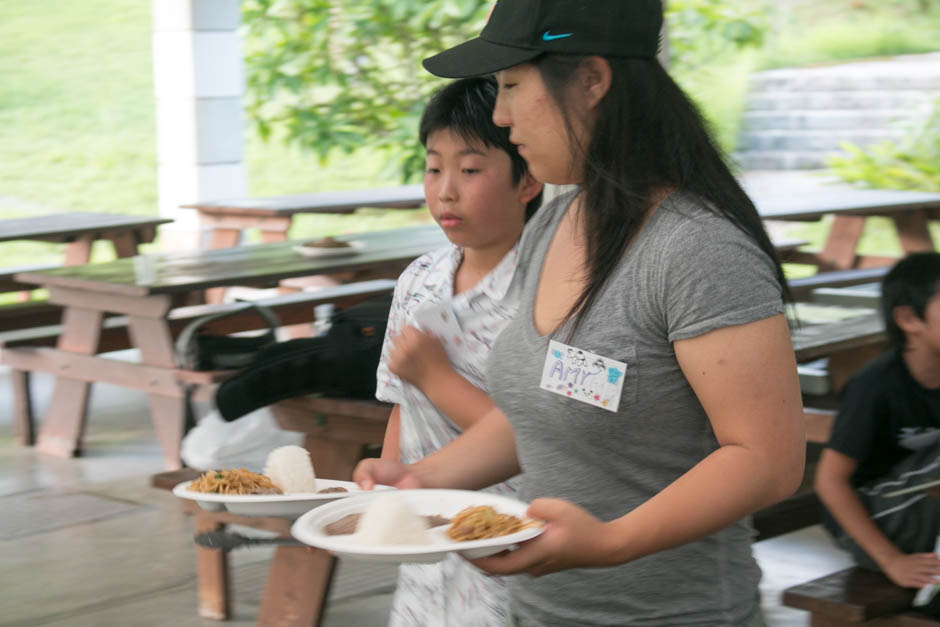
<point x="856" y="596"/>
<point x="802" y="288"/>
<point x="30" y="350"/>
<point x="338" y="433"/>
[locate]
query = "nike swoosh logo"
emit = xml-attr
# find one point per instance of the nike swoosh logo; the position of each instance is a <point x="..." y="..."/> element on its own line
<point x="547" y="36"/>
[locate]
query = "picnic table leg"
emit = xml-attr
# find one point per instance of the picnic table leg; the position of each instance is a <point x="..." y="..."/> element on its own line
<point x="913" y="231"/>
<point x="839" y="252"/>
<point x="168" y="413"/>
<point x="64" y="425"/>
<point x="270" y="236"/>
<point x="220" y="237"/>
<point x="125" y="244"/>
<point x="79" y="251"/>
<point x="297" y="587"/>
<point x="212" y="574"/>
<point x="23" y="408"/>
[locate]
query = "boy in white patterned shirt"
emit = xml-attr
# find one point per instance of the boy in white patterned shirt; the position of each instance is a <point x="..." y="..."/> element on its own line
<point x="479" y="191"/>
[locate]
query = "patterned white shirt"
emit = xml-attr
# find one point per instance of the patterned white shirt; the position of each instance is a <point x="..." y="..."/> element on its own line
<point x="451" y="592"/>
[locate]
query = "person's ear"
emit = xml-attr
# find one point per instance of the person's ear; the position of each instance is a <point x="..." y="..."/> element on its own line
<point x="594" y="77"/>
<point x="528" y="188"/>
<point x="906" y="319"/>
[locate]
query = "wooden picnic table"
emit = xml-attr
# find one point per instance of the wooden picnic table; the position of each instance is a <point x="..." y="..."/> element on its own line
<point x="272" y="215"/>
<point x="909" y="211"/>
<point x="146" y="289"/>
<point x="846" y="343"/>
<point x="79" y="231"/>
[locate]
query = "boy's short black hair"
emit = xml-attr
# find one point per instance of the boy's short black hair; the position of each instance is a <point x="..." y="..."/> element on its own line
<point x="465" y="107"/>
<point x="910" y="283"/>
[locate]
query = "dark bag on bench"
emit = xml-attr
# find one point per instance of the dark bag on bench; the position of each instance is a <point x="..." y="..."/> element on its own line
<point x="341" y="363"/>
<point x="197" y="350"/>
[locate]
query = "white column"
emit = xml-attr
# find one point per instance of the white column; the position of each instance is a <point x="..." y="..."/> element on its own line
<point x="198" y="84"/>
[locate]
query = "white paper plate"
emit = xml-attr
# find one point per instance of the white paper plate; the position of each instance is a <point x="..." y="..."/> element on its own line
<point x="329" y="251"/>
<point x="309" y="528"/>
<point x="286" y="505"/>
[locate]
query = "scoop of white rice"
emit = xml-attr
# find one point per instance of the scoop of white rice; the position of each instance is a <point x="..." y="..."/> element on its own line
<point x="290" y="469"/>
<point x="389" y="520"/>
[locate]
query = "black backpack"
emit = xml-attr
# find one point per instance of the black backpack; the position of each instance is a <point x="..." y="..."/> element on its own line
<point x="341" y="363"/>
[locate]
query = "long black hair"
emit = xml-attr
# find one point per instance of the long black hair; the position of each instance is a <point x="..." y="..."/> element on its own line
<point x="647" y="136"/>
<point x="465" y="108"/>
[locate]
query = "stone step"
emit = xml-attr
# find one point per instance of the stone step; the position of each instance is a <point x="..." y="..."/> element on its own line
<point x="780" y="160"/>
<point x="843" y="83"/>
<point x="813" y="140"/>
<point x="835" y="119"/>
<point x="920" y="71"/>
<point x="796" y="118"/>
<point x="843" y="100"/>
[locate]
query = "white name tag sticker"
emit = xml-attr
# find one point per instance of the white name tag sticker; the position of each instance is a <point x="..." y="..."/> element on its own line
<point x="583" y="376"/>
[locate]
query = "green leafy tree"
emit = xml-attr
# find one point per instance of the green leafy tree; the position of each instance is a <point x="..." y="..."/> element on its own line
<point x="331" y="75"/>
<point x="700" y="30"/>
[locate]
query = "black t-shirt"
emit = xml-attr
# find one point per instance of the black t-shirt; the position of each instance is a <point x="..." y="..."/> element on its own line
<point x="884" y="415"/>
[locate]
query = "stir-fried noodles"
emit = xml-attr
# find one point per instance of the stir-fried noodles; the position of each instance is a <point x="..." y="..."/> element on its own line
<point x="236" y="481"/>
<point x="482" y="521"/>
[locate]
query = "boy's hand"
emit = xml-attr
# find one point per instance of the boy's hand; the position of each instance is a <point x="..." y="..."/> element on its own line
<point x="915" y="570"/>
<point x="371" y="472"/>
<point x="415" y="356"/>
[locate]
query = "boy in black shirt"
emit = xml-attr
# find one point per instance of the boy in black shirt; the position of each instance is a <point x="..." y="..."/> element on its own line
<point x="887" y="437"/>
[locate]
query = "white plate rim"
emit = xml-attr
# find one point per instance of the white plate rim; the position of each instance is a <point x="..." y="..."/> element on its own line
<point x="306" y="527"/>
<point x="182" y="490"/>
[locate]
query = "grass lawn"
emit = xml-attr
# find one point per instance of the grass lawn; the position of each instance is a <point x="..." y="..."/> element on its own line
<point x="77" y="127"/>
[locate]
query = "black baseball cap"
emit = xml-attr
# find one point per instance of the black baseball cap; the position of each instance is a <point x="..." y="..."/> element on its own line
<point x="520" y="30"/>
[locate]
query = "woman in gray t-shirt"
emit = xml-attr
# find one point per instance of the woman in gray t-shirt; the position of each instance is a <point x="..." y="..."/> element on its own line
<point x="647" y="387"/>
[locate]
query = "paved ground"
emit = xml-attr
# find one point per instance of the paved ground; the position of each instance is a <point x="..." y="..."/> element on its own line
<point x="87" y="542"/>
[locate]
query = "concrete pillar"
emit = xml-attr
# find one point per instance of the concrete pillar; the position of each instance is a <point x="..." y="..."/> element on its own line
<point x="198" y="85"/>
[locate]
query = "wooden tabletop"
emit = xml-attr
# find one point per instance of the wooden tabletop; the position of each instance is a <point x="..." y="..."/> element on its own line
<point x="398" y="197"/>
<point x="64" y="226"/>
<point x="813" y="341"/>
<point x="802" y="206"/>
<point x="182" y="272"/>
<point x="864" y="295"/>
<point x="814" y="205"/>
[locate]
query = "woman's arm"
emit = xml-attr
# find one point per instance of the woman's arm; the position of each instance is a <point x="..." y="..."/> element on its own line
<point x="390" y="448"/>
<point x="834" y="487"/>
<point x="745" y="378"/>
<point x="418" y="358"/>
<point x="485" y="454"/>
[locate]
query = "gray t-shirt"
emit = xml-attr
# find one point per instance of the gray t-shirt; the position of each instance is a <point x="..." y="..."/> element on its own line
<point x="687" y="272"/>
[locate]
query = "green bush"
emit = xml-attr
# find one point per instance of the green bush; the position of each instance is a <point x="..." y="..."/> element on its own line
<point x="912" y="163"/>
